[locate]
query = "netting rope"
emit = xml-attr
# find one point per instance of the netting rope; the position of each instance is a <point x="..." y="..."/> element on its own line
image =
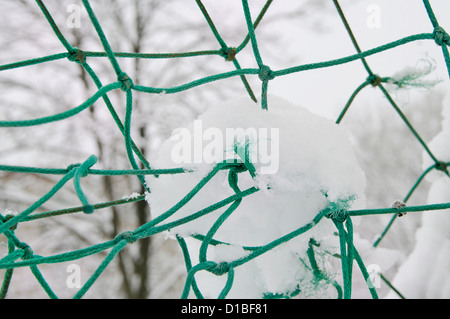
<point x="21" y="254"/>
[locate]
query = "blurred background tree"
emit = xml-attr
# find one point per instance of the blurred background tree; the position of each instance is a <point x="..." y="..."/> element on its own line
<point x="153" y="266"/>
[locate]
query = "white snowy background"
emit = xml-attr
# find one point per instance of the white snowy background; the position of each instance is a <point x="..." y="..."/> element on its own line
<point x="414" y="255"/>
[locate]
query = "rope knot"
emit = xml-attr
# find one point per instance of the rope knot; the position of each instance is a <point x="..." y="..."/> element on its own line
<point x="128" y="236"/>
<point x="399" y="204"/>
<point x="374" y="79"/>
<point x="220" y="269"/>
<point x="80" y="172"/>
<point x="73" y="166"/>
<point x="83" y="169"/>
<point x="441" y="166"/>
<point x="127" y="83"/>
<point x="228" y="53"/>
<point x="265" y="73"/>
<point x="77" y="56"/>
<point x="339" y="216"/>
<point x="8" y="216"/>
<point x="440" y="36"/>
<point x="27" y="251"/>
<point x="88" y="209"/>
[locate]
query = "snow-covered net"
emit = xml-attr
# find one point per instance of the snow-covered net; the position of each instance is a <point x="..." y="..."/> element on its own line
<point x="243" y="233"/>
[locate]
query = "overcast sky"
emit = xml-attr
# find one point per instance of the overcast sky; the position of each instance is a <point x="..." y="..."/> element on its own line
<point x="326" y="91"/>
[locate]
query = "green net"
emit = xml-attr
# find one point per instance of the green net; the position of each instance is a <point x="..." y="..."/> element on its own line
<point x="20" y="254"/>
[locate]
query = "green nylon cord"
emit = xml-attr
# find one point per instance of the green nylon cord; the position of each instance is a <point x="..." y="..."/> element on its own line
<point x="59" y="258"/>
<point x="411" y="128"/>
<point x="139" y="233"/>
<point x="265" y="74"/>
<point x="128" y="140"/>
<point x="228" y="285"/>
<point x="182" y="202"/>
<point x="109" y="52"/>
<point x="188" y="263"/>
<point x="352" y="37"/>
<point x="44" y="284"/>
<point x="190" y="278"/>
<point x="387" y="95"/>
<point x="407" y="209"/>
<point x="63" y="115"/>
<point x="114" y="114"/>
<point x="282" y="72"/>
<point x="391" y="286"/>
<point x="352" y="97"/>
<point x="263" y="249"/>
<point x="21" y="255"/>
<point x="211" y="24"/>
<point x="117" y="248"/>
<point x="365" y="274"/>
<point x="24" y="252"/>
<point x="72" y="210"/>
<point x="16" y="219"/>
<point x="346" y="262"/>
<point x="411" y="191"/>
<point x="145" y="231"/>
<point x="318" y="274"/>
<point x="55" y="28"/>
<point x="30" y="62"/>
<point x="251" y="33"/>
<point x="232" y="180"/>
<point x="12" y="255"/>
<point x="109" y="172"/>
<point x="209" y="266"/>
<point x="230" y="53"/>
<point x="72" y="50"/>
<point x="255" y="25"/>
<point x="80" y="171"/>
<point x="8" y="275"/>
<point x="444" y="44"/>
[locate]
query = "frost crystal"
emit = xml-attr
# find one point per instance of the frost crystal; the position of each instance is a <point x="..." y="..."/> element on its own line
<point x="132" y="196"/>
